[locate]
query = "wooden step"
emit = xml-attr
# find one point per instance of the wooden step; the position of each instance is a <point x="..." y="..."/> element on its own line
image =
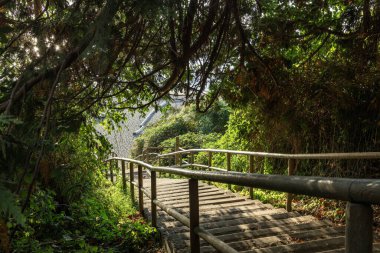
<point x="182" y="189"/>
<point x="246" y="225"/>
<point x="172" y="200"/>
<point x="261" y="225"/>
<point x="315" y="225"/>
<point x="204" y="196"/>
<point x="240" y="209"/>
<point x="278" y="239"/>
<point x="305" y="247"/>
<point x="218" y="201"/>
<point x="259" y="215"/>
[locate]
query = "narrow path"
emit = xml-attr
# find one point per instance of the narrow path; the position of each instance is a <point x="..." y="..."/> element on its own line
<point x="246" y="225"/>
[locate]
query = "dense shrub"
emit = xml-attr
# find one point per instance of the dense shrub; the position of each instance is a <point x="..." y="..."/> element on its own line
<point x="191" y="126"/>
<point x="76" y="209"/>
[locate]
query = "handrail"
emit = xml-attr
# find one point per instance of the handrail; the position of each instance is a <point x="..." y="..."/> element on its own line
<point x="360" y="193"/>
<point x="318" y="156"/>
<point x="346" y="189"/>
<point x="211" y="239"/>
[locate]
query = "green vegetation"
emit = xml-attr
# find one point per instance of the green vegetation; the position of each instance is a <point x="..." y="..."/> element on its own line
<point x="75" y="208"/>
<point x="100" y="221"/>
<point x="244" y="130"/>
<point x="296" y="76"/>
<point x="194" y="128"/>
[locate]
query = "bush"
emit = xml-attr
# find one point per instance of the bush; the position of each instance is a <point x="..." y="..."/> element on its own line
<point x="76" y="209"/>
<point x="101" y="221"/>
<point x="186" y="123"/>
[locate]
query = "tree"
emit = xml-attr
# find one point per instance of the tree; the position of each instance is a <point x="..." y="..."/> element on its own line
<point x="64" y="62"/>
<point x="313" y="66"/>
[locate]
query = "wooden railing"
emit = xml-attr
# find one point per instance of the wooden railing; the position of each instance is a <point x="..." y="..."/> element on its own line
<point x="292" y="160"/>
<point x="360" y="194"/>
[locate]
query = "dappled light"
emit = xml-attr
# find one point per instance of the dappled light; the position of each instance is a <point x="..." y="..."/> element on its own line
<point x="254" y="109"/>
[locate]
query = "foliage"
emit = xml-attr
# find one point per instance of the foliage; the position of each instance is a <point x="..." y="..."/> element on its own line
<point x="77" y="158"/>
<point x="316" y="88"/>
<point x="80" y="211"/>
<point x="194" y="128"/>
<point x="100" y="221"/>
<point x="303" y="76"/>
<point x="9" y="206"/>
<point x="191" y="140"/>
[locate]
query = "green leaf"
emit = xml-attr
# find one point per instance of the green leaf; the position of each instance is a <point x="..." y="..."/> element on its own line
<point x="9" y="206"/>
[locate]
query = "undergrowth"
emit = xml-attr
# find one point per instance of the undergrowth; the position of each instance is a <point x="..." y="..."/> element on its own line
<point x="102" y="220"/>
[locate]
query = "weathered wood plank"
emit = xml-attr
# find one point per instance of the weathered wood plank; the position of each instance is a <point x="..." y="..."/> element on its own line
<point x="246" y="225"/>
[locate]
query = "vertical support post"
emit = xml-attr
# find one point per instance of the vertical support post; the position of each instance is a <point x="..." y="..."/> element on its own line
<point x="123" y="175"/>
<point x="192" y="158"/>
<point x="291" y="171"/>
<point x="209" y="159"/>
<point x="209" y="163"/>
<point x="229" y="166"/>
<point x="251" y="170"/>
<point x="153" y="185"/>
<point x="359" y="233"/>
<point x="177" y="158"/>
<point x="194" y="215"/>
<point x="141" y="194"/>
<point x="111" y="171"/>
<point x="131" y="179"/>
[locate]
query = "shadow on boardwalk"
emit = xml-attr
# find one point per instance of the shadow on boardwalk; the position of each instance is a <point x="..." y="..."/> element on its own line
<point x="246" y="225"/>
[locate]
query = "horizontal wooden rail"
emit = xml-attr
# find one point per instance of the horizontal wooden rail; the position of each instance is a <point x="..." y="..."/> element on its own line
<point x="292" y="160"/>
<point x="201" y="166"/>
<point x="360" y="194"/>
<point x="346" y="189"/>
<point x="322" y="156"/>
<point x="212" y="240"/>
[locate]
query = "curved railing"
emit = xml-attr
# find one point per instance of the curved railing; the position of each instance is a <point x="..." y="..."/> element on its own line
<point x="292" y="160"/>
<point x="359" y="193"/>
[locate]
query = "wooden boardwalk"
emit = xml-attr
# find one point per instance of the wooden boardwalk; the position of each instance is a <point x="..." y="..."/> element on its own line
<point x="246" y="225"/>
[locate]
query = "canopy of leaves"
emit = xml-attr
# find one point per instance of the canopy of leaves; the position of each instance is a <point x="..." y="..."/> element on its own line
<point x="310" y="70"/>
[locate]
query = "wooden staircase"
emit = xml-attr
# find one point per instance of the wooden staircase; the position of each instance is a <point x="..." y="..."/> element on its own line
<point x="245" y="225"/>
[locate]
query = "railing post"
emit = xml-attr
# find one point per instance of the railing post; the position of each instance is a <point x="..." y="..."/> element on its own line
<point x="177" y="159"/>
<point x="359" y="234"/>
<point x="141" y="194"/>
<point x="194" y="215"/>
<point x="209" y="163"/>
<point x="251" y="170"/>
<point x="229" y="166"/>
<point x="291" y="171"/>
<point x="111" y="171"/>
<point x="209" y="160"/>
<point x="192" y="158"/>
<point x="153" y="197"/>
<point x="131" y="179"/>
<point x="123" y="175"/>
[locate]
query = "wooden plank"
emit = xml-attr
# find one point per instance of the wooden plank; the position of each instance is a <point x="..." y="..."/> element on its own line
<point x="217" y="201"/>
<point x="258" y="216"/>
<point x="292" y="228"/>
<point x="261" y="225"/>
<point x="306" y="247"/>
<point x="248" y="243"/>
<point x="181" y="189"/>
<point x="246" y="225"/>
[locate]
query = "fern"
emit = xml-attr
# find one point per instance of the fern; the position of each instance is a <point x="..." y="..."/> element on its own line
<point x="9" y="206"/>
